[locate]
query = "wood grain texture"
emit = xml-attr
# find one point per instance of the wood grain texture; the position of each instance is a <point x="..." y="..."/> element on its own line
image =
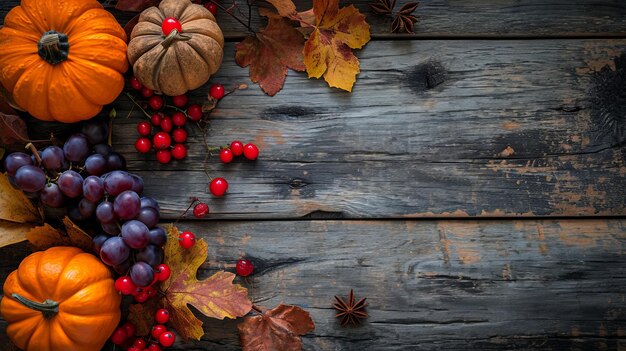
<point x="476" y="18"/>
<point x="431" y="285"/>
<point x="432" y="128"/>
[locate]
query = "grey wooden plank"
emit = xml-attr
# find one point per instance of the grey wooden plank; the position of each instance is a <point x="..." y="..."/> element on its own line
<point x="431" y="285"/>
<point x="432" y="128"/>
<point x="476" y="18"/>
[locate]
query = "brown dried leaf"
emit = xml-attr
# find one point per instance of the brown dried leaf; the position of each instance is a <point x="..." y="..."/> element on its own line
<point x="215" y="297"/>
<point x="142" y="316"/>
<point x="12" y="129"/>
<point x="276" y="329"/>
<point x="271" y="52"/>
<point x="135" y="5"/>
<point x="77" y="236"/>
<point x="45" y="237"/>
<point x="15" y="206"/>
<point x="11" y="232"/>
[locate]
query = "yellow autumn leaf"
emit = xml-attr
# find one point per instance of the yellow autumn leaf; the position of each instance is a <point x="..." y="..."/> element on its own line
<point x="328" y="51"/>
<point x="215" y="297"/>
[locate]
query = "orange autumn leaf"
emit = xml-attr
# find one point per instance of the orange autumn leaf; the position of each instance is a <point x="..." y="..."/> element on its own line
<point x="276" y="329"/>
<point x="328" y="51"/>
<point x="270" y="52"/>
<point x="215" y="297"/>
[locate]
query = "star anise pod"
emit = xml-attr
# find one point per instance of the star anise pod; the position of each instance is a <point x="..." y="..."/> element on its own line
<point x="382" y="7"/>
<point x="350" y="311"/>
<point x="404" y="20"/>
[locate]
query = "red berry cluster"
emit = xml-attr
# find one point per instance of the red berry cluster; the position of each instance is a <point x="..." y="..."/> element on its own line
<point x="237" y="148"/>
<point x="124" y="335"/>
<point x="125" y="286"/>
<point x="164" y="133"/>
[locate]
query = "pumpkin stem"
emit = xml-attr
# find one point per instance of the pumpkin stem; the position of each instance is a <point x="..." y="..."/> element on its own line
<point x="48" y="308"/>
<point x="173" y="36"/>
<point x="53" y="47"/>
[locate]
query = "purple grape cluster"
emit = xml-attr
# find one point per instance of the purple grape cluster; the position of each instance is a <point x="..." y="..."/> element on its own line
<point x="86" y="176"/>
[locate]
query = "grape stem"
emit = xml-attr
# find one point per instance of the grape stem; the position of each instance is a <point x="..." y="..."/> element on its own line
<point x="33" y="149"/>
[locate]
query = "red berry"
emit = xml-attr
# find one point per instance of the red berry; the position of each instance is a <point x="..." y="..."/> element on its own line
<point x="244" y="267"/>
<point x="146" y="92"/>
<point x="130" y="329"/>
<point x="140" y="344"/>
<point x="179" y="119"/>
<point x="250" y="151"/>
<point x="157" y="330"/>
<point x="133" y="348"/>
<point x="162" y="315"/>
<point x="187" y="239"/>
<point x="156" y="119"/>
<point x="194" y="112"/>
<point x="226" y="156"/>
<point x="216" y="90"/>
<point x="164" y="156"/>
<point x="144" y="128"/>
<point x="218" y="186"/>
<point x="135" y="83"/>
<point x="141" y="297"/>
<point x="211" y="7"/>
<point x="200" y="210"/>
<point x="179" y="135"/>
<point x="119" y="336"/>
<point x="163" y="272"/>
<point x="161" y="141"/>
<point x="125" y="285"/>
<point x="180" y="101"/>
<point x="169" y="24"/>
<point x="166" y="124"/>
<point x="167" y="339"/>
<point x="143" y="145"/>
<point x="179" y="151"/>
<point x="236" y="147"/>
<point x="155" y="102"/>
<point x="154" y="347"/>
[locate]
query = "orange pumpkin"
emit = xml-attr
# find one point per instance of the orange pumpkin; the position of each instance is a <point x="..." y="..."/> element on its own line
<point x="62" y="60"/>
<point x="60" y="299"/>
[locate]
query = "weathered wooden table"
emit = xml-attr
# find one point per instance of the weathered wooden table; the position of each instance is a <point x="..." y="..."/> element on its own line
<point x="472" y="186"/>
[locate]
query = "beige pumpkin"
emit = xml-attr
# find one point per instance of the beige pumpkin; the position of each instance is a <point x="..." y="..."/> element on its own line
<point x="180" y="61"/>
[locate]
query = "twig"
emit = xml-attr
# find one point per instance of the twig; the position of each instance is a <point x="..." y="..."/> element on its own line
<point x="248" y="27"/>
